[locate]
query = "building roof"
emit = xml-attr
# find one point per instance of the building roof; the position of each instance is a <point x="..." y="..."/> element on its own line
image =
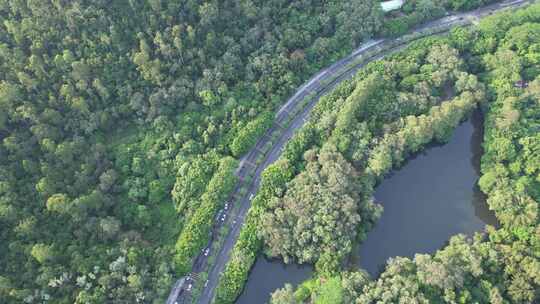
<point x="392" y="5"/>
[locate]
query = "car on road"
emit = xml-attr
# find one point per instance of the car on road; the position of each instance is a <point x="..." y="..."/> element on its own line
<point x="206" y="283"/>
<point x="251" y="196"/>
<point x="206" y="251"/>
<point x="218" y="216"/>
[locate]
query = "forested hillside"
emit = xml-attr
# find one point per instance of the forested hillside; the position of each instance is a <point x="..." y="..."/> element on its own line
<point x="495" y="65"/>
<point x="121" y="123"/>
<point x="117" y="122"/>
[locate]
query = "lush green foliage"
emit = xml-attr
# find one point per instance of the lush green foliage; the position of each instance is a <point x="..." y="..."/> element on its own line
<point x="110" y="110"/>
<point x="363" y="135"/>
<point x="372" y="105"/>
<point x="247" y="137"/>
<point x="416" y="12"/>
<point x="196" y="233"/>
<point x="501" y="265"/>
<point x="249" y="244"/>
<point x="416" y="131"/>
<point x="326" y="193"/>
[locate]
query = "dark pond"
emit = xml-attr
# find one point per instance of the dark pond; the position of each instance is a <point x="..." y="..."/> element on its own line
<point x="269" y="275"/>
<point x="431" y="198"/>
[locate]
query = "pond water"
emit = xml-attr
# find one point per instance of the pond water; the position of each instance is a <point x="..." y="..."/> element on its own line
<point x="431" y="198"/>
<point x="269" y="275"/>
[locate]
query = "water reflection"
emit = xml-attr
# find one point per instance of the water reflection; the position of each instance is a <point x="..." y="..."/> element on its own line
<point x="433" y="197"/>
<point x="479" y="198"/>
<point x="269" y="275"/>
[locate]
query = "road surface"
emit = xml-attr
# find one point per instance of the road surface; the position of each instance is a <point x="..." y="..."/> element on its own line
<point x="319" y="84"/>
<point x="175" y="292"/>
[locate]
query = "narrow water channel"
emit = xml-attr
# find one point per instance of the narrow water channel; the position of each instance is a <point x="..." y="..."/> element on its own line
<point x="433" y="197"/>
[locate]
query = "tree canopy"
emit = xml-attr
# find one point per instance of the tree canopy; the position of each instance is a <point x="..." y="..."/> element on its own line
<point x="498" y="69"/>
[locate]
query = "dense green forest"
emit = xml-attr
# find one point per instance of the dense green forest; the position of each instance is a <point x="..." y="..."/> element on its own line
<point x="495" y="66"/>
<point x="120" y="123"/>
<point x="415" y="12"/>
<point x="117" y="123"/>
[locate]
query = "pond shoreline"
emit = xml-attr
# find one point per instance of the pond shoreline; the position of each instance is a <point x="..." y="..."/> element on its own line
<point x="458" y="161"/>
<point x="433" y="196"/>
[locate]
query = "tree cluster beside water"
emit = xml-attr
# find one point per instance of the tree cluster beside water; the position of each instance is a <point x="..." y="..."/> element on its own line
<point x="315" y="202"/>
<point x="501" y="265"/>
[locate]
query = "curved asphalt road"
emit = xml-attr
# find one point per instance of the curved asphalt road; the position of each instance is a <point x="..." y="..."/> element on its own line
<point x="320" y="84"/>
